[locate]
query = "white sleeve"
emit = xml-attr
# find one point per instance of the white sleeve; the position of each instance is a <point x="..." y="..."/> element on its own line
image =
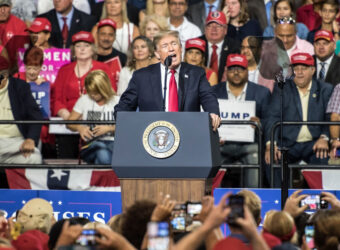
<point x="80" y="105"/>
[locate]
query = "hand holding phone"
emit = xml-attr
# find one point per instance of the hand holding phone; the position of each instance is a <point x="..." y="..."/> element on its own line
<point x="236" y="203"/>
<point x="87" y="237"/>
<point x="178" y="218"/>
<point x="314" y="202"/>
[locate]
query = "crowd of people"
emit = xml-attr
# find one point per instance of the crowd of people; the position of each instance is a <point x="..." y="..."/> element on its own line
<point x="34" y="226"/>
<point x="232" y="48"/>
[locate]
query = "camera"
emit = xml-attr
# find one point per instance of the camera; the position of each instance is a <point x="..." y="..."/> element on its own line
<point x="236" y="203"/>
<point x="314" y="202"/>
<point x="87" y="237"/>
<point x="178" y="218"/>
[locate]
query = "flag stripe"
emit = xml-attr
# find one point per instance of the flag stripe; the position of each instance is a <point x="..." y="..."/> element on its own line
<point x="313" y="178"/>
<point x="16" y="179"/>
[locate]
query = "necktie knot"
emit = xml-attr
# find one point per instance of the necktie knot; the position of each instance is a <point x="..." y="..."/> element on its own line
<point x="173" y="71"/>
<point x="214" y="46"/>
<point x="64" y="18"/>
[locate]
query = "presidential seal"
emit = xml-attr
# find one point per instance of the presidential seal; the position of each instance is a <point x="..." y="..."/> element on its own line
<point x="161" y="139"/>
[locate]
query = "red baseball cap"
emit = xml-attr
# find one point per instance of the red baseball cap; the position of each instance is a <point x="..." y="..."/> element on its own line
<point x="108" y="22"/>
<point x="302" y="58"/>
<point x="33" y="240"/>
<point x="237" y="60"/>
<point x="83" y="36"/>
<point x="195" y="43"/>
<point x="40" y="24"/>
<point x="217" y="17"/>
<point x="324" y="34"/>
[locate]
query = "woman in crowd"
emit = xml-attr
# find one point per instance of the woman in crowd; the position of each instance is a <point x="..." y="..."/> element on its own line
<point x="281" y="9"/>
<point x="140" y="55"/>
<point x="153" y="24"/>
<point x="251" y="48"/>
<point x="97" y="104"/>
<point x="239" y="24"/>
<point x="158" y="7"/>
<point x="126" y="31"/>
<point x="194" y="54"/>
<point x="40" y="32"/>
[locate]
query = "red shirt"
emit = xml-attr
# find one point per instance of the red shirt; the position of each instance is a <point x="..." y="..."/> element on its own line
<point x="306" y="14"/>
<point x="67" y="89"/>
<point x="13" y="28"/>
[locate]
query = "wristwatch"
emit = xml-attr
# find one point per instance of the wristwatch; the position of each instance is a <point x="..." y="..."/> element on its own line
<point x="325" y="137"/>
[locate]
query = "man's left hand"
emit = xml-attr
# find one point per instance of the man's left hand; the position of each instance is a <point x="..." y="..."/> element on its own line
<point x="27" y="147"/>
<point x="215" y="121"/>
<point x="321" y="148"/>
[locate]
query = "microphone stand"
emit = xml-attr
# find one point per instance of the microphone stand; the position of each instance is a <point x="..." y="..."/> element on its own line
<point x="167" y="63"/>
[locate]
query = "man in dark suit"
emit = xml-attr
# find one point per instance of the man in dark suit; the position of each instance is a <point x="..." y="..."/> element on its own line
<point x="238" y="88"/>
<point x="186" y="88"/>
<point x="18" y="142"/>
<point x="326" y="62"/>
<point x="67" y="21"/>
<point x="215" y="37"/>
<point x="305" y="99"/>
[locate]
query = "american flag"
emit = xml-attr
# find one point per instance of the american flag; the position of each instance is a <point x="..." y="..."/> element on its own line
<point x="322" y="179"/>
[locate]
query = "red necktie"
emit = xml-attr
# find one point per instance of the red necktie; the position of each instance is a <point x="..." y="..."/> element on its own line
<point x="64" y="31"/>
<point x="214" y="59"/>
<point x="173" y="96"/>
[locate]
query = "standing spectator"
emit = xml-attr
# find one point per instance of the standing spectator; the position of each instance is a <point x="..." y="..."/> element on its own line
<point x="218" y="46"/>
<point x="285" y="30"/>
<point x="239" y="25"/>
<point x="157" y="7"/>
<point x="179" y="22"/>
<point x="194" y="54"/>
<point x="97" y="104"/>
<point x="281" y="9"/>
<point x="17" y="142"/>
<point x="13" y="33"/>
<point x="40" y="32"/>
<point x="125" y="31"/>
<point x="152" y="25"/>
<point x="309" y="14"/>
<point x="260" y="10"/>
<point x="326" y="63"/>
<point x="140" y="55"/>
<point x="66" y="21"/>
<point x="328" y="13"/>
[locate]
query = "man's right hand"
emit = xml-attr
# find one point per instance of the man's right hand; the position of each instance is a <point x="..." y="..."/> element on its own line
<point x="277" y="154"/>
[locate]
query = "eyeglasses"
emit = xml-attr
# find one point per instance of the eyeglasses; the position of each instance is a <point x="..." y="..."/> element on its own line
<point x="287" y="20"/>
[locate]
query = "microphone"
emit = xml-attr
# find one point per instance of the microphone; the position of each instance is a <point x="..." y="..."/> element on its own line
<point x="168" y="61"/>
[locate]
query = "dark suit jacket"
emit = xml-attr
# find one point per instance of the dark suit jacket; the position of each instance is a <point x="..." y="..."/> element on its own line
<point x="80" y="22"/>
<point x="229" y="46"/>
<point x="254" y="92"/>
<point x="24" y="107"/>
<point x="145" y="91"/>
<point x="333" y="73"/>
<point x="319" y="96"/>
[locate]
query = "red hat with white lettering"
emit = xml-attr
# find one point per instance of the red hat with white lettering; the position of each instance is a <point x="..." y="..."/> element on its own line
<point x="108" y="22"/>
<point x="217" y="17"/>
<point x="324" y="34"/>
<point x="40" y="24"/>
<point x="82" y="36"/>
<point x="237" y="60"/>
<point x="195" y="43"/>
<point x="302" y="58"/>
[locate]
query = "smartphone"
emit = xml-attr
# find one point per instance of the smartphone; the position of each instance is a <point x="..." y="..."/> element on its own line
<point x="87" y="237"/>
<point x="178" y="218"/>
<point x="193" y="209"/>
<point x="236" y="203"/>
<point x="158" y="235"/>
<point x="309" y="233"/>
<point x="314" y="201"/>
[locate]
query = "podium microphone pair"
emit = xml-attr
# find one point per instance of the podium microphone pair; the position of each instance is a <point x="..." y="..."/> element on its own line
<point x="167" y="63"/>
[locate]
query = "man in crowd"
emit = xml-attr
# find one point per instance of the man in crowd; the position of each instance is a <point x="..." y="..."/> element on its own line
<point x="305" y="99"/>
<point x="309" y="14"/>
<point x="187" y="87"/>
<point x="218" y="46"/>
<point x="238" y="88"/>
<point x="180" y="23"/>
<point x="327" y="63"/>
<point x="67" y="21"/>
<point x="18" y="141"/>
<point x="285" y="30"/>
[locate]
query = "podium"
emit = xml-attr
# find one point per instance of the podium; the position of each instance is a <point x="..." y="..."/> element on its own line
<point x="176" y="153"/>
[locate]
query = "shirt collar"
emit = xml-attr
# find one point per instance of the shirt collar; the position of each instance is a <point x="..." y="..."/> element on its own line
<point x="328" y="61"/>
<point x="243" y="90"/>
<point x="215" y="4"/>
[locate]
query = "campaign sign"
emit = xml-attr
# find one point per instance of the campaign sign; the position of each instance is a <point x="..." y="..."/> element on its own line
<point x="54" y="59"/>
<point x="96" y="206"/>
<point x="115" y="67"/>
<point x="41" y="94"/>
<point x="236" y="110"/>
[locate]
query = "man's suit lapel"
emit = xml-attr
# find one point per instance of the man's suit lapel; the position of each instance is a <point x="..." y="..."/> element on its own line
<point x="313" y="97"/>
<point x="331" y="70"/>
<point x="56" y="28"/>
<point x="184" y="81"/>
<point x="74" y="25"/>
<point x="250" y="93"/>
<point x="297" y="100"/>
<point x="156" y="82"/>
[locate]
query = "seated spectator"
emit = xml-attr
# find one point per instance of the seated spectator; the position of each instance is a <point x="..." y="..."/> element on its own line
<point x="125" y="30"/>
<point x="97" y="104"/>
<point x="140" y="55"/>
<point x="329" y="11"/>
<point x="333" y="108"/>
<point x="66" y="21"/>
<point x="281" y="9"/>
<point x="239" y="24"/>
<point x="18" y="141"/>
<point x="152" y="25"/>
<point x="194" y="54"/>
<point x="310" y="98"/>
<point x="285" y="30"/>
<point x="158" y="7"/>
<point x="40" y="33"/>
